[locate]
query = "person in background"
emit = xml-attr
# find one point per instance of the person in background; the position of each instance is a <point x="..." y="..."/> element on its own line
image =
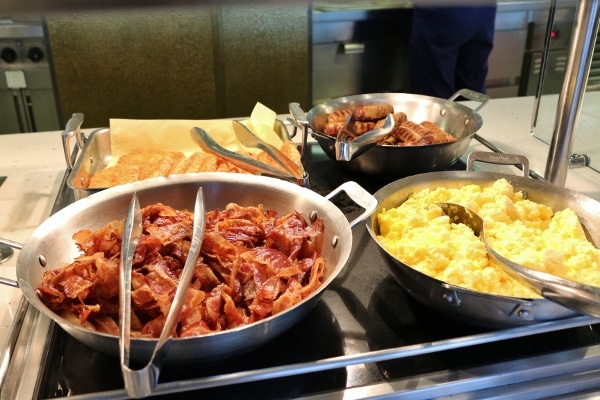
<point x="449" y="48"/>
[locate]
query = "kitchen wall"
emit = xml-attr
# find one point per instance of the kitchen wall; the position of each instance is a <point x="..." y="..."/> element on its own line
<point x="180" y="63"/>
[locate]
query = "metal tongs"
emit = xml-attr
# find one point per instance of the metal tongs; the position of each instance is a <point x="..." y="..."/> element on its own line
<point x="576" y="296"/>
<point x="291" y="171"/>
<point x="349" y="145"/>
<point x="141" y="382"/>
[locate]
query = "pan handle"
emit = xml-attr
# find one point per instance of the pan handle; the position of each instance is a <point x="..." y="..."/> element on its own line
<point x="360" y="196"/>
<point x="299" y="121"/>
<point x="498" y="158"/>
<point x="473" y="96"/>
<point x="72" y="128"/>
<point x="14" y="245"/>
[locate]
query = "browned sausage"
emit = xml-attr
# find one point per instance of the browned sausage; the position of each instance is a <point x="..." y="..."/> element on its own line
<point x="362" y="127"/>
<point x="443" y="136"/>
<point x="405" y="134"/>
<point x="333" y="128"/>
<point x="399" y="118"/>
<point x="372" y="111"/>
<point x="389" y="140"/>
<point x="417" y="128"/>
<point x="338" y="116"/>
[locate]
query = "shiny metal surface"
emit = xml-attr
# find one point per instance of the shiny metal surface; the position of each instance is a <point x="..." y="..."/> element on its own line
<point x="544" y="61"/>
<point x="142" y="381"/>
<point x="579" y="297"/>
<point x="468" y="305"/>
<point x="6" y="252"/>
<point x="97" y="154"/>
<point x="50" y="242"/>
<point x="208" y="144"/>
<point x="72" y="128"/>
<point x="27" y="89"/>
<point x="348" y="145"/>
<point x="498" y="159"/>
<point x="581" y="52"/>
<point x="251" y="140"/>
<point x="397" y="161"/>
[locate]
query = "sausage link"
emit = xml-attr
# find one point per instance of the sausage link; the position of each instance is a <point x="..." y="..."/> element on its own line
<point x="372" y="111"/>
<point x="338" y="116"/>
<point x="333" y="128"/>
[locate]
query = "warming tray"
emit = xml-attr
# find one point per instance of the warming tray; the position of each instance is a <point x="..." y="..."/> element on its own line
<point x="96" y="154"/>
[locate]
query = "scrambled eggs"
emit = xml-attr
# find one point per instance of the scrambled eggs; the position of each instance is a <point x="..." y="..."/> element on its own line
<point x="420" y="235"/>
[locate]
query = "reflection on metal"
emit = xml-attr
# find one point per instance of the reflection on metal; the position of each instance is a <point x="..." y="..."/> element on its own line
<point x="6" y="253"/>
<point x="579" y="160"/>
<point x="581" y="50"/>
<point x="540" y="87"/>
<point x="353" y="48"/>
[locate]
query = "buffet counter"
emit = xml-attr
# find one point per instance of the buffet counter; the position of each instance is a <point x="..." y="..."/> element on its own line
<point x="35" y="167"/>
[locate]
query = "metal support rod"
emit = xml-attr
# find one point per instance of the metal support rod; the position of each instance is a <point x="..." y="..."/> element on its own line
<point x="579" y="60"/>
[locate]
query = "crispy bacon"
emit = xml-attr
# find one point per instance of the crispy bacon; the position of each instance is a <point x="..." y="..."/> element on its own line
<point x="253" y="264"/>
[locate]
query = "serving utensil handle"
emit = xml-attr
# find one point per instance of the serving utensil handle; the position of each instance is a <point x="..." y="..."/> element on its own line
<point x="72" y="129"/>
<point x="300" y="122"/>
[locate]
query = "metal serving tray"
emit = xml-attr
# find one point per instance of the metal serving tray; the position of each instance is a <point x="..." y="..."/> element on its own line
<point x="95" y="154"/>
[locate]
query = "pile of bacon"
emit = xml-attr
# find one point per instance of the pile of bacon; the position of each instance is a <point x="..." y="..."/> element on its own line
<point x="367" y="117"/>
<point x="253" y="264"/>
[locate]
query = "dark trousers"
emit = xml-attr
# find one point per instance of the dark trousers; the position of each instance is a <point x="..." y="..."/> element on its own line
<point x="449" y="49"/>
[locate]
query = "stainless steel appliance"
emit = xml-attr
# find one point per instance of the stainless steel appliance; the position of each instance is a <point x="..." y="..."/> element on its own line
<point x="558" y="52"/>
<point x="27" y="97"/>
<point x="359" y="51"/>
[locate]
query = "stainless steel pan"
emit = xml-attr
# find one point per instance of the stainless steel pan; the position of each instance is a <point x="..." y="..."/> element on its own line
<point x="51" y="244"/>
<point x="397" y="161"/>
<point x="94" y="153"/>
<point x="467" y="305"/>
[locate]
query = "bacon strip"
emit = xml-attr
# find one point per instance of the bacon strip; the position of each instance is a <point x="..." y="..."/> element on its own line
<point x="253" y="264"/>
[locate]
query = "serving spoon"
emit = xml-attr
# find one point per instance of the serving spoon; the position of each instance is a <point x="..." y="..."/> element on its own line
<point x="579" y="297"/>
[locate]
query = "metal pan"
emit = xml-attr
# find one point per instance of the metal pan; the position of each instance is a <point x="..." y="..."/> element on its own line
<point x="51" y="245"/>
<point x="93" y="153"/>
<point x="467" y="305"/>
<point x="398" y="161"/>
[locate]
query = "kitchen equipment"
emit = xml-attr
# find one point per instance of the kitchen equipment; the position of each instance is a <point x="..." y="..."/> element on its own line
<point x="94" y="153"/>
<point x="208" y="144"/>
<point x="349" y="42"/>
<point x="348" y="145"/>
<point x="27" y="97"/>
<point x="467" y="305"/>
<point x="48" y="248"/>
<point x="582" y="298"/>
<point x="141" y="382"/>
<point x="399" y="161"/>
